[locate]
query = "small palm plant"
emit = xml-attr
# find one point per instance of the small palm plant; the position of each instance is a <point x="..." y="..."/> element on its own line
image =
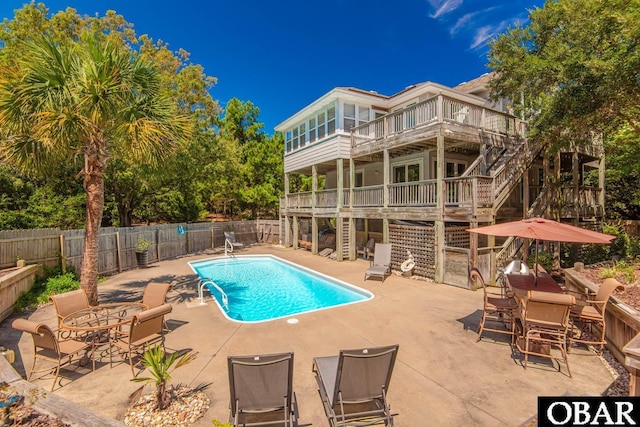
<point x="161" y="368"/>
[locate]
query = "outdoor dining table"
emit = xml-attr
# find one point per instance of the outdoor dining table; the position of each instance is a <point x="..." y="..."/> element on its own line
<point x="98" y="321"/>
<point x="520" y="284"/>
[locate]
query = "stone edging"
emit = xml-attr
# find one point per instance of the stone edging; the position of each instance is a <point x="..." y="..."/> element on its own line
<point x="53" y="405"/>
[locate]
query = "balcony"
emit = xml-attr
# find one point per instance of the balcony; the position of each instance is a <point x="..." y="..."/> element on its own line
<point x="437" y="109"/>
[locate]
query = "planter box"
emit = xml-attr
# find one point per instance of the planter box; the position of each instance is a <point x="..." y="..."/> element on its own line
<point x="622" y="322"/>
<point x="12" y="284"/>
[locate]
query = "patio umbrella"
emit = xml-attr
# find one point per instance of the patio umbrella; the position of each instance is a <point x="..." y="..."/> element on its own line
<point x="544" y="229"/>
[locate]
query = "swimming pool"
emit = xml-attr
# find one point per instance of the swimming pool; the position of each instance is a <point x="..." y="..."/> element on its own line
<point x="258" y="288"/>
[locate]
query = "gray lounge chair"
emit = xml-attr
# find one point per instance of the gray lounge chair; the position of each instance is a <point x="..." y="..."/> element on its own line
<point x="230" y="236"/>
<point x="353" y="386"/>
<point x="261" y="390"/>
<point x="381" y="264"/>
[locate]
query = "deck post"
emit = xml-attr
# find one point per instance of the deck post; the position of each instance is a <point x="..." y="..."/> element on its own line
<point x="339" y="237"/>
<point x="340" y="198"/>
<point x="287" y="231"/>
<point x="314" y="235"/>
<point x="385" y="176"/>
<point x="352" y="238"/>
<point x="296" y="234"/>
<point x="440" y="201"/>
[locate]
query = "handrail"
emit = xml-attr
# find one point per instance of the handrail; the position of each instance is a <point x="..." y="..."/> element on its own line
<point x="228" y="247"/>
<point x="203" y="283"/>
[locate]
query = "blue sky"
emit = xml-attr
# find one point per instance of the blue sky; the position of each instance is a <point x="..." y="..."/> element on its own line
<point x="282" y="55"/>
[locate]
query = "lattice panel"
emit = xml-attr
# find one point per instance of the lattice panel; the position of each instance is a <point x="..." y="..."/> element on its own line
<point x="345" y="239"/>
<point x="456" y="236"/>
<point x="420" y="240"/>
<point x="283" y="227"/>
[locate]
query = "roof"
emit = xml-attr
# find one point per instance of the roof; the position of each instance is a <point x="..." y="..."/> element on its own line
<point x="481" y="81"/>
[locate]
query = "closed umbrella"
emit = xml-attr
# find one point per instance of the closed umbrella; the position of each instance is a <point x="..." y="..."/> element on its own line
<point x="544" y="229"/>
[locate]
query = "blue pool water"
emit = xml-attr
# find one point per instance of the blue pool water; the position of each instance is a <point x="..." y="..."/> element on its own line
<point x="264" y="287"/>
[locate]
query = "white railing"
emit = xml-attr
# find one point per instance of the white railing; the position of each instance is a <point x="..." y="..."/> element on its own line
<point x="426" y="112"/>
<point x="417" y="193"/>
<point x="368" y="196"/>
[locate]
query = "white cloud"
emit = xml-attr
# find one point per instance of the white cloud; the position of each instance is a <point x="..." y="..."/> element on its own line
<point x="483" y="34"/>
<point x="444" y="6"/>
<point x="462" y="22"/>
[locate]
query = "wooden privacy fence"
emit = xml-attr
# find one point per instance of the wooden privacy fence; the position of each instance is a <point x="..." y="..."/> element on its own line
<point x="117" y="245"/>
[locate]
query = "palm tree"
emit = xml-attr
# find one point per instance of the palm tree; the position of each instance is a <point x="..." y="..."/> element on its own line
<point x="90" y="100"/>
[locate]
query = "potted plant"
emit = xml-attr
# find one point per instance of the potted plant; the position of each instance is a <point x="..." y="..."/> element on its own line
<point x="142" y="252"/>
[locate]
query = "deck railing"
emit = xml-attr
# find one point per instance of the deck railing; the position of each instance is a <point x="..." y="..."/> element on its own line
<point x="426" y="112"/>
<point x="460" y="192"/>
<point x="417" y="193"/>
<point x="372" y="195"/>
<point x="299" y="200"/>
<point x="327" y="198"/>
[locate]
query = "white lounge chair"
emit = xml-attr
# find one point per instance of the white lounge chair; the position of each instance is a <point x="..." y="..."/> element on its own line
<point x="381" y="264"/>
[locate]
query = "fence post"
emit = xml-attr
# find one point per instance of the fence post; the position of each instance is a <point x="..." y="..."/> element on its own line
<point x="158" y="243"/>
<point x="118" y="254"/>
<point x="186" y="235"/>
<point x="63" y="261"/>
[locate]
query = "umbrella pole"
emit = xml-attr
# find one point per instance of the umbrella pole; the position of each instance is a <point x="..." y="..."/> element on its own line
<point x="535" y="267"/>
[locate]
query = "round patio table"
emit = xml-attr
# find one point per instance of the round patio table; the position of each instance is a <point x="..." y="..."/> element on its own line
<point x="97" y="322"/>
<point x="102" y="317"/>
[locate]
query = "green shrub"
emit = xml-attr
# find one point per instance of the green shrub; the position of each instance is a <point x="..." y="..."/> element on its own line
<point x="608" y="272"/>
<point x="43" y="288"/>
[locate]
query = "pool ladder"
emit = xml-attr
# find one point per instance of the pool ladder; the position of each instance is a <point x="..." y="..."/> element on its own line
<point x="203" y="283"/>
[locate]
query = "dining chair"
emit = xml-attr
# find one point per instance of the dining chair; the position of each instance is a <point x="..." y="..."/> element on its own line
<point x="590" y="316"/>
<point x="496" y="308"/>
<point x="543" y="325"/>
<point x="146" y="329"/>
<point x="67" y="303"/>
<point x="155" y="294"/>
<point x="48" y="348"/>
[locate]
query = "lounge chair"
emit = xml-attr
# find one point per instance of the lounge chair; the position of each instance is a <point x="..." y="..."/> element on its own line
<point x="261" y="390"/>
<point x="353" y="386"/>
<point x="230" y="237"/>
<point x="381" y="264"/>
<point x="47" y="347"/>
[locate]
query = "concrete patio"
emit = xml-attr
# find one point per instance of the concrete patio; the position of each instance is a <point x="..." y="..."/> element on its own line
<point x="441" y="377"/>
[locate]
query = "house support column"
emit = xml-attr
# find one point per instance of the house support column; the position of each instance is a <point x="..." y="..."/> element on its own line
<point x="314" y="220"/>
<point x="352" y="220"/>
<point x="340" y="201"/>
<point x="352" y="238"/>
<point x="296" y="232"/>
<point x="287" y="231"/>
<point x="385" y="195"/>
<point x="314" y="237"/>
<point x="439" y="222"/>
<point x="473" y="245"/>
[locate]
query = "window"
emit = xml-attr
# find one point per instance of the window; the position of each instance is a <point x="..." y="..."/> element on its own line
<point x="355" y="115"/>
<point x="312" y="129"/>
<point x="303" y="134"/>
<point x="287" y="141"/>
<point x="321" y="130"/>
<point x="295" y="138"/>
<point x="454" y="169"/>
<point x="408" y="172"/>
<point x="331" y="120"/>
